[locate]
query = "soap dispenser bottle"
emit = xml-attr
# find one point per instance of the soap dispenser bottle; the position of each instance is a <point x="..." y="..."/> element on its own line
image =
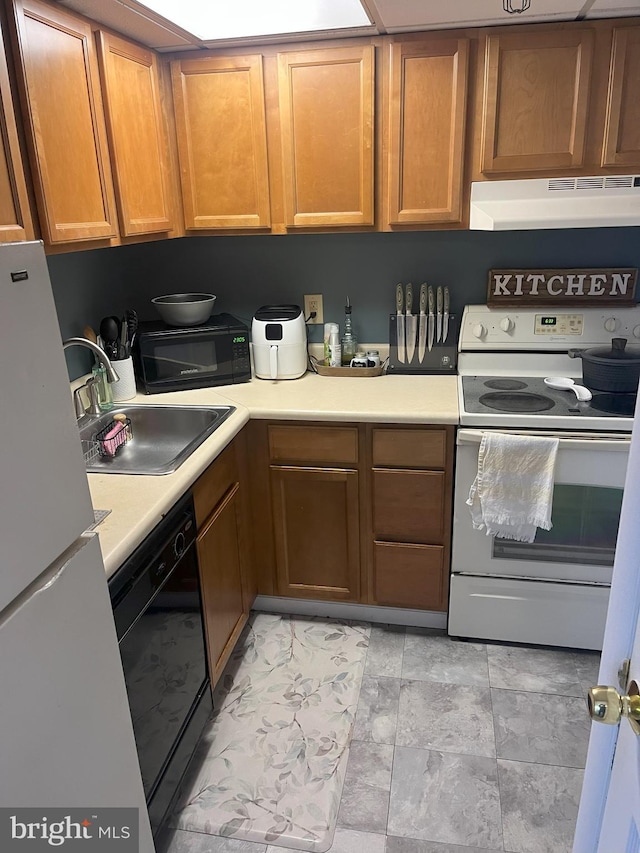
<point x="349" y="341"/>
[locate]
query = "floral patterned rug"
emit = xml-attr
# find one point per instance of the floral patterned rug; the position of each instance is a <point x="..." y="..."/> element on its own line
<point x="271" y="763"/>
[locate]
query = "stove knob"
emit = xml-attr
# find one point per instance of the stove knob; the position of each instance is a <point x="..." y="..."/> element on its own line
<point x="636" y="332"/>
<point x="479" y="331"/>
<point x="507" y="324"/>
<point x="611" y="324"/>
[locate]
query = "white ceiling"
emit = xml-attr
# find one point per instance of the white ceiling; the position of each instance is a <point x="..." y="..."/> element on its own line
<point x="388" y="16"/>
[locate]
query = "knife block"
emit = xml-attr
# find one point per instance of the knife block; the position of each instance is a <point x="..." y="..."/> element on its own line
<point x="442" y="359"/>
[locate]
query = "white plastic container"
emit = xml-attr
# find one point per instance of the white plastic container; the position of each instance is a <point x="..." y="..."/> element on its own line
<point x="125" y="387"/>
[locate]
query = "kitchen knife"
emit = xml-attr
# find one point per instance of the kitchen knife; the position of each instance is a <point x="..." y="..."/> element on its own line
<point x="400" y="321"/>
<point x="438" y="314"/>
<point x="411" y="325"/>
<point x="432" y="320"/>
<point x="422" y="330"/>
<point x="445" y="316"/>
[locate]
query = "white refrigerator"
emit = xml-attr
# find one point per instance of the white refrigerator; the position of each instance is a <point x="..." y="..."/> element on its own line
<point x="66" y="738"/>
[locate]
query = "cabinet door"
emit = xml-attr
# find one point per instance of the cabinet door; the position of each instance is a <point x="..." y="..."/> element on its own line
<point x="408" y="506"/>
<point x="410" y="576"/>
<point x="136" y="135"/>
<point x="66" y="126"/>
<point x="222" y="141"/>
<point x="536" y="91"/>
<point x="220" y="561"/>
<point x="428" y="106"/>
<point x="15" y="215"/>
<point x="326" y="122"/>
<point x="317" y="536"/>
<point x="622" y="129"/>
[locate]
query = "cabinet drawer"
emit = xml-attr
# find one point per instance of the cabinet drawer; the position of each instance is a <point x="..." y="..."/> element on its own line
<point x="316" y="445"/>
<point x="216" y="481"/>
<point x="408" y="506"/>
<point x="410" y="448"/>
<point x="409" y="576"/>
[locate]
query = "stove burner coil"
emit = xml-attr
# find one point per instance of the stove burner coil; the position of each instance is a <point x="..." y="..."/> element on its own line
<point x="516" y="402"/>
<point x="505" y="384"/>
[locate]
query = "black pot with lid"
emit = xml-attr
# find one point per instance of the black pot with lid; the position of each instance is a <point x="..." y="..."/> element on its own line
<point x="615" y="369"/>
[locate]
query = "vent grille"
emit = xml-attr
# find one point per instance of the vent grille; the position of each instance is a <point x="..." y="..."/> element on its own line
<point x="612" y="182"/>
<point x="562" y="184"/>
<point x="617" y="181"/>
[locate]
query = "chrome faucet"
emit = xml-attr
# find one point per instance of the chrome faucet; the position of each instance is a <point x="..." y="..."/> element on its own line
<point x="112" y="376"/>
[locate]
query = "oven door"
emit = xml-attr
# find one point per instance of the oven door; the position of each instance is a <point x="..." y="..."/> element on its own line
<point x="580" y="547"/>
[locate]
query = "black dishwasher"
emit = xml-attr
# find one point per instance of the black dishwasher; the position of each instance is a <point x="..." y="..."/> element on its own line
<point x="158" y="614"/>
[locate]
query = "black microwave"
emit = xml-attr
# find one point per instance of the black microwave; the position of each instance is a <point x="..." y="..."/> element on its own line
<point x="172" y="358"/>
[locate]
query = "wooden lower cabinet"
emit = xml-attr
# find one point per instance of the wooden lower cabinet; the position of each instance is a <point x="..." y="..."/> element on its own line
<point x="317" y="534"/>
<point x="411" y="497"/>
<point x="224" y="553"/>
<point x="354" y="512"/>
<point x="221" y="579"/>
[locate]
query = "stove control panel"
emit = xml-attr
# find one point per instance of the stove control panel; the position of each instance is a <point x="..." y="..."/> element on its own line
<point x="549" y="329"/>
<point x="558" y="324"/>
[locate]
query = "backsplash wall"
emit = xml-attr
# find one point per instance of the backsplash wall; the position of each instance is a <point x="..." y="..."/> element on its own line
<point x="249" y="271"/>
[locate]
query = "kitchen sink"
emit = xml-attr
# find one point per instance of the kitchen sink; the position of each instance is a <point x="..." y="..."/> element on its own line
<point x="162" y="437"/>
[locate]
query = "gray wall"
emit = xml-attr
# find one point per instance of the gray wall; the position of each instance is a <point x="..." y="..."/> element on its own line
<point x="246" y="272"/>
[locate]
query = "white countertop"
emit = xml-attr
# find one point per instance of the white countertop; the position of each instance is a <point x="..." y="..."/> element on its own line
<point x="138" y="503"/>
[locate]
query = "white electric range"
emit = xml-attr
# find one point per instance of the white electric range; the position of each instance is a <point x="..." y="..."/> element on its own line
<point x="555" y="590"/>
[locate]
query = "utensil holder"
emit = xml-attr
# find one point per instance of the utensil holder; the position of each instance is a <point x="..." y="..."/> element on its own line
<point x="125" y="387"/>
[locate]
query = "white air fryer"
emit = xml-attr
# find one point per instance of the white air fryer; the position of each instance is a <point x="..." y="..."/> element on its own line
<point x="279" y="339"/>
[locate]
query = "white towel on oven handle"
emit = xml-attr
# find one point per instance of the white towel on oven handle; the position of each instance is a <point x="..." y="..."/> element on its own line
<point x="512" y="493"/>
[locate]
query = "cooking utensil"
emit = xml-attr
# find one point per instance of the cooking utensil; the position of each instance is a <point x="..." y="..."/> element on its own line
<point x="422" y="330"/>
<point x="185" y="309"/>
<point x="615" y="369"/>
<point x="109" y="333"/>
<point x="432" y="319"/>
<point x="445" y="316"/>
<point x="411" y="324"/>
<point x="131" y="317"/>
<point x="400" y="321"/>
<point x="90" y="335"/>
<point x="565" y="383"/>
<point x="439" y="300"/>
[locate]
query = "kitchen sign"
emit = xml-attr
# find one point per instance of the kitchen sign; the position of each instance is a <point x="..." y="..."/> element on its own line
<point x="562" y="287"/>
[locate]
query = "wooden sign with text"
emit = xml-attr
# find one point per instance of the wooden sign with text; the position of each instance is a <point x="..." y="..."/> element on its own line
<point x="562" y="287"/>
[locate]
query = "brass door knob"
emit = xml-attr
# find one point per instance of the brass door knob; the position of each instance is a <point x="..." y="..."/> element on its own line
<point x="606" y="705"/>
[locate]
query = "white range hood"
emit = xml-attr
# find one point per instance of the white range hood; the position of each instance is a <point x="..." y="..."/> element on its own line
<point x="598" y="202"/>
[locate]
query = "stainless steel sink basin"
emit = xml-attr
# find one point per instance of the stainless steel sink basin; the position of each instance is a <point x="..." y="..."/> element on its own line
<point x="163" y="437"/>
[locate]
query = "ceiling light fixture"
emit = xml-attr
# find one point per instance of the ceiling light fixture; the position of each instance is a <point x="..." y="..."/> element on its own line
<point x="521" y="6"/>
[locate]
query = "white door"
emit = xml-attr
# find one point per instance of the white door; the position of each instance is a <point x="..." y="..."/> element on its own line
<point x="609" y="816"/>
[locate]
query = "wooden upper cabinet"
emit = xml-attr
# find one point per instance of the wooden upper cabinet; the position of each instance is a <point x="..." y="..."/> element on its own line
<point x="622" y="125"/>
<point x="536" y="93"/>
<point x="222" y="141"/>
<point x="15" y="214"/>
<point x="427" y="115"/>
<point x="136" y="134"/>
<point x="66" y="133"/>
<point x="326" y="102"/>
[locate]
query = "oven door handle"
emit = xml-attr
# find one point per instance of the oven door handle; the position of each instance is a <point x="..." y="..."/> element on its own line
<point x="568" y="441"/>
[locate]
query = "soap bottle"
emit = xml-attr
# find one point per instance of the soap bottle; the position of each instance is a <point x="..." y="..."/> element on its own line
<point x="349" y="341"/>
<point x="105" y="394"/>
<point x="334" y="349"/>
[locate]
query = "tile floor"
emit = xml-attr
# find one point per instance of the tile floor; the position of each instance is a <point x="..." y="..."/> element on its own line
<point x="457" y="748"/>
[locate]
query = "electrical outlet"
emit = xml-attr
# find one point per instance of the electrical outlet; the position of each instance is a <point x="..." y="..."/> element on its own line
<point x="313" y="302"/>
